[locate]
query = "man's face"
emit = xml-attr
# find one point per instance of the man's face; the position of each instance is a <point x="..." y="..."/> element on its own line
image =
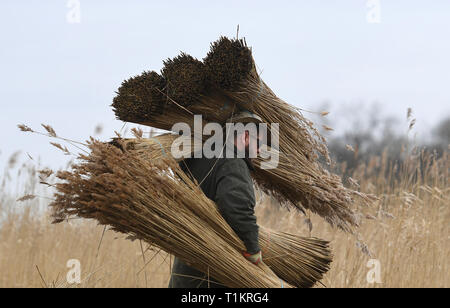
<point x="250" y="143"/>
<point x="253" y="146"/>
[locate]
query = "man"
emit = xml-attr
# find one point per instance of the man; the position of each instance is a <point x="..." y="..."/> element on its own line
<point x="226" y="181"/>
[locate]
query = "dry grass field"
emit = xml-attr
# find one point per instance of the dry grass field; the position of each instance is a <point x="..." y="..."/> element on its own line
<point x="407" y="230"/>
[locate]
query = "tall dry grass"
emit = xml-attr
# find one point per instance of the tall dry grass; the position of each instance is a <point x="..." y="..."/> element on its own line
<point x="407" y="231"/>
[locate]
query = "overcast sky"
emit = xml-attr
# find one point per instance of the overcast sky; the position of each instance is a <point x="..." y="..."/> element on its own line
<point x="62" y="73"/>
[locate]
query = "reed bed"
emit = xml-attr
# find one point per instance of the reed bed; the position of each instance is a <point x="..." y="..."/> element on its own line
<point x="409" y="235"/>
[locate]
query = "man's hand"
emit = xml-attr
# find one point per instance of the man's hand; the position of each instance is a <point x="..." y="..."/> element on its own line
<point x="254" y="258"/>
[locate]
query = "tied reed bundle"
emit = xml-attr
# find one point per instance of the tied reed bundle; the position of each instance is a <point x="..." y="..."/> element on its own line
<point x="299" y="178"/>
<point x="175" y="97"/>
<point x="154" y="200"/>
<point x="143" y="199"/>
<point x="297" y="260"/>
<point x="143" y="99"/>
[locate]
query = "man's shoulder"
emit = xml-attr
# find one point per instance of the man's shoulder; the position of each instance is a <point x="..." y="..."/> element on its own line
<point x="198" y="163"/>
<point x="218" y="166"/>
<point x="233" y="166"/>
<point x="237" y="162"/>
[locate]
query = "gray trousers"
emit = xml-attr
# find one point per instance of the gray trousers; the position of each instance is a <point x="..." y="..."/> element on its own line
<point x="184" y="276"/>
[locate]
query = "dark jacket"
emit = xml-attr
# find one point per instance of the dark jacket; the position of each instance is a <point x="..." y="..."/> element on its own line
<point x="226" y="181"/>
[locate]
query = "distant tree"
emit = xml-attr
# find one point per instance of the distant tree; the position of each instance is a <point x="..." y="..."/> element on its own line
<point x="369" y="133"/>
<point x="442" y="131"/>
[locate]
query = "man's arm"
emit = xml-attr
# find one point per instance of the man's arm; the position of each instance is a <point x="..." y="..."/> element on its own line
<point x="235" y="198"/>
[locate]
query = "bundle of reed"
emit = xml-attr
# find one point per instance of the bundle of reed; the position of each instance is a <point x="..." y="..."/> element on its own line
<point x="231" y="68"/>
<point x="154" y="200"/>
<point x="177" y="95"/>
<point x="310" y="257"/>
<point x="143" y="100"/>
<point x="299" y="178"/>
